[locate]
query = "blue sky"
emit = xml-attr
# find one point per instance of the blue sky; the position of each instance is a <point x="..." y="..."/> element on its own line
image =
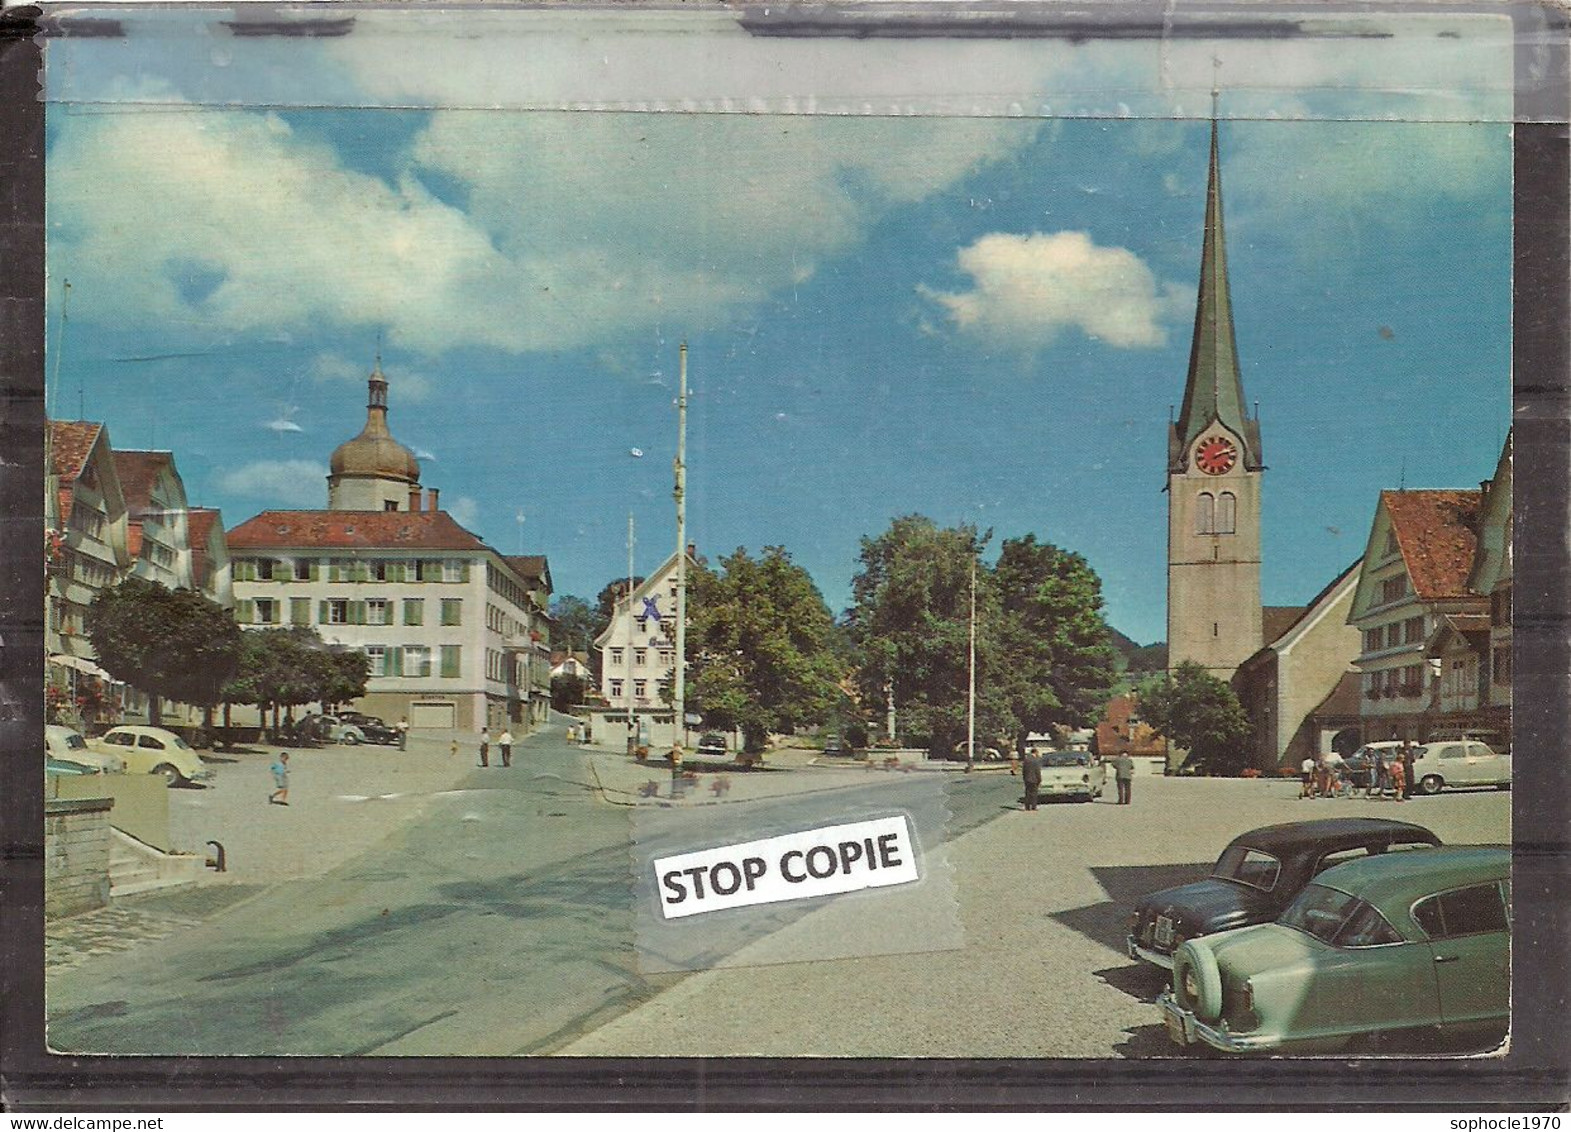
<point x="977" y="319"/>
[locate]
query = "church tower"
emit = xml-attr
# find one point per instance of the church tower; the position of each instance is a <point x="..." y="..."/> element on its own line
<point x="373" y="472"/>
<point x="1213" y="481"/>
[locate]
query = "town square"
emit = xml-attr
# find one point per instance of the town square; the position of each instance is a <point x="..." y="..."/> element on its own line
<point x="1048" y="574"/>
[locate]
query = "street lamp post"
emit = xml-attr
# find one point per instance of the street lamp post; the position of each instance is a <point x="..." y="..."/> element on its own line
<point x="679" y="680"/>
<point x="632" y="719"/>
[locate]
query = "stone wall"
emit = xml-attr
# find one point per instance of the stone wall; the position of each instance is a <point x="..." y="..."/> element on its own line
<point x="76" y="855"/>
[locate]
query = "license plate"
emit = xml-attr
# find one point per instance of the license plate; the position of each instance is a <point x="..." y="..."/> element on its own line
<point x="1175" y="1027"/>
<point x="1162" y="935"/>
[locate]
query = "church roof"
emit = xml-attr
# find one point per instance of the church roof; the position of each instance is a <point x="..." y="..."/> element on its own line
<point x="1434" y="530"/>
<point x="374" y="454"/>
<point x="1278" y="619"/>
<point x="1213" y="390"/>
<point x="353" y="530"/>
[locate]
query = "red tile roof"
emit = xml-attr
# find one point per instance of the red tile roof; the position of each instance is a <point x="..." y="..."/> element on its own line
<point x="200" y="522"/>
<point x="133" y="538"/>
<point x="353" y="530"/>
<point x="70" y="442"/>
<point x="138" y="472"/>
<point x="65" y="499"/>
<point x="1434" y="530"/>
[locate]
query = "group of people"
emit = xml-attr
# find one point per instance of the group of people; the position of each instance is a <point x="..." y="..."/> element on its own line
<point x="504" y="743"/>
<point x="1328" y="775"/>
<point x="1031" y="777"/>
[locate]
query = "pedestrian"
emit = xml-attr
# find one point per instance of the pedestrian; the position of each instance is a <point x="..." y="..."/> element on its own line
<point x="403" y="733"/>
<point x="505" y="741"/>
<point x="485" y="746"/>
<point x="1031" y="776"/>
<point x="1124" y="773"/>
<point x="1398" y="780"/>
<point x="1377" y="777"/>
<point x="1306" y="772"/>
<point x="280" y="794"/>
<point x="1407" y="768"/>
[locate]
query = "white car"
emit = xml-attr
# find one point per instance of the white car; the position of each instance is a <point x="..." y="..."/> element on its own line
<point x="68" y="744"/>
<point x="1448" y="762"/>
<point x="1072" y="773"/>
<point x="153" y="750"/>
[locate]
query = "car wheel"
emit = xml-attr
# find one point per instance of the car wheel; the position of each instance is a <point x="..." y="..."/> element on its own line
<point x="169" y="774"/>
<point x="1430" y="784"/>
<point x="1195" y="971"/>
<point x="349" y="738"/>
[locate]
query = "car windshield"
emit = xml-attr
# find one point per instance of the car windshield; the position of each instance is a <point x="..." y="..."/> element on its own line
<point x="75" y="742"/>
<point x="1064" y="758"/>
<point x="1254" y="867"/>
<point x="1337" y="918"/>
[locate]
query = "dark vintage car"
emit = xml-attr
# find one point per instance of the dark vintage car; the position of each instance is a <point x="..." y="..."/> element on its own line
<point x="371" y="727"/>
<point x="1256" y="877"/>
<point x="712" y="744"/>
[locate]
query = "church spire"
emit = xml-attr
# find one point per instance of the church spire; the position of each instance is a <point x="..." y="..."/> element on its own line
<point x="1214" y="391"/>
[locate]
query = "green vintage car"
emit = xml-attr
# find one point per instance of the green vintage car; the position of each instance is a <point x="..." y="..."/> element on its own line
<point x="1384" y="945"/>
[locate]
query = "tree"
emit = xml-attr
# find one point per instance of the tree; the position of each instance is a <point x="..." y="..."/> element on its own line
<point x="911" y="622"/>
<point x="169" y="644"/>
<point x="288" y="667"/>
<point x="567" y="692"/>
<point x="577" y="622"/>
<point x="1201" y="713"/>
<point x="761" y="643"/>
<point x="1060" y="666"/>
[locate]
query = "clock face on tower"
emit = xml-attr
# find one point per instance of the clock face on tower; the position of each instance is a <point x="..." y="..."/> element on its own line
<point x="1215" y="455"/>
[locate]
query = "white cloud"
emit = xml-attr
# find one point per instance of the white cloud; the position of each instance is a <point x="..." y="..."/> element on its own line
<point x="465" y="511"/>
<point x="404" y="384"/>
<point x="295" y="483"/>
<point x="1027" y="290"/>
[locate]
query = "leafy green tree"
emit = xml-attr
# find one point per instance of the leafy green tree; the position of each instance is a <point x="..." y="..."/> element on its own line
<point x="911" y="621"/>
<point x="289" y="667"/>
<point x="169" y="644"/>
<point x="567" y="692"/>
<point x="577" y="622"/>
<point x="1201" y="713"/>
<point x="761" y="646"/>
<point x="1059" y="665"/>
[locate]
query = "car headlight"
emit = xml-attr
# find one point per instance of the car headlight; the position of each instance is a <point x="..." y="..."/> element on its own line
<point x="1191" y="987"/>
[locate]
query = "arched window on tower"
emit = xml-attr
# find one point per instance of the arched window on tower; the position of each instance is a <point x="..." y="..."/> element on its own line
<point x="1226" y="513"/>
<point x="1205" y="514"/>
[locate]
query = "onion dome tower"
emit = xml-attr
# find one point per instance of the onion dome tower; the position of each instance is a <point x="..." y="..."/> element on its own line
<point x="373" y="472"/>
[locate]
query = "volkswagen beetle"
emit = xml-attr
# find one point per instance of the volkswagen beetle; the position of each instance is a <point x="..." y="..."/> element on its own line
<point x="1389" y="944"/>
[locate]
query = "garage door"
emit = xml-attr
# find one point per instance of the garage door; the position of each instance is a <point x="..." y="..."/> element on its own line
<point x="433" y="715"/>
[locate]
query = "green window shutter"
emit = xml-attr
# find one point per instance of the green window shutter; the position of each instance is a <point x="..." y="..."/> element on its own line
<point x="414" y="611"/>
<point x="433" y="570"/>
<point x="450" y="661"/>
<point x="362" y="570"/>
<point x="245" y="611"/>
<point x="316" y="570"/>
<point x="463" y="573"/>
<point x="357" y="613"/>
<point x="395" y="661"/>
<point x="395" y="571"/>
<point x="321" y="614"/>
<point x="451" y="611"/>
<point x="299" y="610"/>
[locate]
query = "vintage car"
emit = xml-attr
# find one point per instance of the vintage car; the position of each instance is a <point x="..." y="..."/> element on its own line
<point x="1392" y="945"/>
<point x="1459" y="762"/>
<point x="1073" y="774"/>
<point x="153" y="750"/>
<point x="66" y="744"/>
<point x="1256" y="877"/>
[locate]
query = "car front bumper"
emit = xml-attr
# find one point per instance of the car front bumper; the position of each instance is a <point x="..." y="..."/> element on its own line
<point x="1185" y="1030"/>
<point x="1138" y="952"/>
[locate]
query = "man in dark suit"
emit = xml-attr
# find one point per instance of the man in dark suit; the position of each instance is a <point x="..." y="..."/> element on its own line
<point x="1031" y="775"/>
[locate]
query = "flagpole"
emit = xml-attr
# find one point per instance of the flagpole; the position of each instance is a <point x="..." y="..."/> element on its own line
<point x="679" y="682"/>
<point x="971" y="678"/>
<point x="632" y="721"/>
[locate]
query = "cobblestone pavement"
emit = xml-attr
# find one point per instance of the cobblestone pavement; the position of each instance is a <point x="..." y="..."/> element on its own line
<point x="129" y="923"/>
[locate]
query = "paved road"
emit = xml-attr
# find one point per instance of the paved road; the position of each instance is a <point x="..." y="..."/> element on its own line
<point x="499" y="922"/>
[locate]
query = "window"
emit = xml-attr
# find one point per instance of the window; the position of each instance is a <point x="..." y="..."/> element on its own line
<point x="337" y="611"/>
<point x="1366" y="927"/>
<point x="616" y="656"/>
<point x="421" y="573"/>
<point x="453" y="571"/>
<point x="417" y="660"/>
<point x="1205" y="514"/>
<point x="303" y="569"/>
<point x="1393" y="589"/>
<point x="88" y="520"/>
<point x="1465" y="911"/>
<point x="377" y="655"/>
<point x="452" y="611"/>
<point x="1374" y="640"/>
<point x="267" y="611"/>
<point x="1413" y="630"/>
<point x="1500" y="606"/>
<point x="1453" y="751"/>
<point x="1392" y="546"/>
<point x="640" y="657"/>
<point x="1226" y="513"/>
<point x="264" y="569"/>
<point x="414" y="611"/>
<point x="1393" y="635"/>
<point x="162" y="555"/>
<point x="616" y="688"/>
<point x="643" y="624"/>
<point x="378" y="611"/>
<point x="667" y="656"/>
<point x="149" y="743"/>
<point x="640" y="688"/>
<point x="1248" y="866"/>
<point x="451" y="661"/>
<point x="120" y="739"/>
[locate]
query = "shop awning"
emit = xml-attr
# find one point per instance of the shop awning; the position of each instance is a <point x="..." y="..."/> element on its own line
<point x="81" y="664"/>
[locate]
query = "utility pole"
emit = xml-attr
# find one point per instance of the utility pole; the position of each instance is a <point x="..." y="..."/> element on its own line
<point x="971" y="677"/>
<point x="679" y="681"/>
<point x="632" y="719"/>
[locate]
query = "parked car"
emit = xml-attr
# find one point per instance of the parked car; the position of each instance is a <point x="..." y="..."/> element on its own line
<point x="53" y="765"/>
<point x="371" y="728"/>
<point x="1459" y="762"/>
<point x="1389" y="944"/>
<point x="153" y="750"/>
<point x="983" y="753"/>
<point x="1072" y="773"/>
<point x="712" y="744"/>
<point x="68" y="744"/>
<point x="1256" y="877"/>
<point x="337" y="729"/>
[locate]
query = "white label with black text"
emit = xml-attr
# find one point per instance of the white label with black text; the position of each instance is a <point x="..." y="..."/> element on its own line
<point x="815" y="862"/>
